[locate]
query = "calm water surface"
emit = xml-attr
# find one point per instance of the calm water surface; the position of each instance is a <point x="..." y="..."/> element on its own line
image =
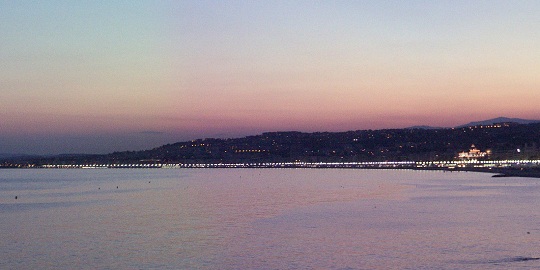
<point x="267" y="219"/>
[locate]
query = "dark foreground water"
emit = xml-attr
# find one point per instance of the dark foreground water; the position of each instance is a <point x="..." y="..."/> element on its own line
<point x="267" y="219"/>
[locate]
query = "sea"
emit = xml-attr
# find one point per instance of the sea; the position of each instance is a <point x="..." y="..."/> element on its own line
<point x="267" y="219"/>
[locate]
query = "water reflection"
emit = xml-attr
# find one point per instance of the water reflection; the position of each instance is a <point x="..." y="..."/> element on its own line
<point x="266" y="219"/>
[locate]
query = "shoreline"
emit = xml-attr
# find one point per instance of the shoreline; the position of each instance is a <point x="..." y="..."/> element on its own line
<point x="531" y="172"/>
<point x="511" y="171"/>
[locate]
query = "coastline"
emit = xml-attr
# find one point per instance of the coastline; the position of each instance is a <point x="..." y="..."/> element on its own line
<point x="516" y="170"/>
<point x="532" y="172"/>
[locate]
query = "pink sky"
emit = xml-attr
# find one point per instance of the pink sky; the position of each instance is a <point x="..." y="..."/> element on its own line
<point x="172" y="71"/>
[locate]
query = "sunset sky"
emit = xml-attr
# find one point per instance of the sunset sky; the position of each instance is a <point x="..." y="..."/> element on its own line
<point x="104" y="76"/>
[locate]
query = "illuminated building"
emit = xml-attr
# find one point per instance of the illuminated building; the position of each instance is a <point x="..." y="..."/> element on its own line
<point x="472" y="154"/>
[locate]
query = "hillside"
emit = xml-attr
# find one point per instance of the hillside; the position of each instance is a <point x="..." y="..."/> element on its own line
<point x="362" y="145"/>
<point x="500" y="120"/>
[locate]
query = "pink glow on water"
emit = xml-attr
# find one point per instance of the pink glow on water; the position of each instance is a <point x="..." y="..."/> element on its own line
<point x="266" y="219"/>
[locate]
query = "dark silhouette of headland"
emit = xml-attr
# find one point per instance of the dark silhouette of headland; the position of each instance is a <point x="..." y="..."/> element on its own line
<point x="499" y="140"/>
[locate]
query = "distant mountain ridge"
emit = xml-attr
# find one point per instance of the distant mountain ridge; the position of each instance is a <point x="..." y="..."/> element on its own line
<point x="500" y="120"/>
<point x="423" y="127"/>
<point x="483" y="123"/>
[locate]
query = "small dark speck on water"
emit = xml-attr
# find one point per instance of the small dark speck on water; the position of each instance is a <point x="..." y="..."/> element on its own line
<point x="16" y="197"/>
<point x="528" y="232"/>
<point x="116" y="186"/>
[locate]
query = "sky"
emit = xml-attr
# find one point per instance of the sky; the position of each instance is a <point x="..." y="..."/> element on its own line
<point x="105" y="76"/>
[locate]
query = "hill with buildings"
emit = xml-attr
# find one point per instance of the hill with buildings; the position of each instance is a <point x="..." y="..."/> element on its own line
<point x="505" y="140"/>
